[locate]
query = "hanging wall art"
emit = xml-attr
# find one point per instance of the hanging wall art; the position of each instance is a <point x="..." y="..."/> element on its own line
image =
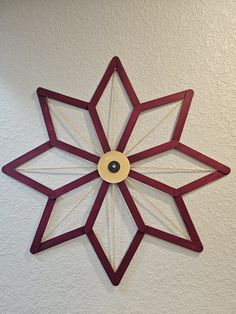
<point x="114" y="167"/>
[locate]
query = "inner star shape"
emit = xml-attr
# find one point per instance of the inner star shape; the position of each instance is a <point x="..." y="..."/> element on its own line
<point x="114" y="167"/>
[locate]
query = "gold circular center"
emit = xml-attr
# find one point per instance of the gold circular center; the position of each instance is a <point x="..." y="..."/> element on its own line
<point x="107" y="160"/>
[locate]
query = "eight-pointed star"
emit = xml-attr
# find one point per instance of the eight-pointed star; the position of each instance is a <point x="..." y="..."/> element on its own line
<point x="186" y="96"/>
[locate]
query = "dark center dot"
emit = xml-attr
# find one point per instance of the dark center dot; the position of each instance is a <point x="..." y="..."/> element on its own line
<point x="114" y="166"/>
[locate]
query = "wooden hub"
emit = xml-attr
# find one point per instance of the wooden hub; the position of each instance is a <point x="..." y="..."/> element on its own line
<point x="113" y="167"/>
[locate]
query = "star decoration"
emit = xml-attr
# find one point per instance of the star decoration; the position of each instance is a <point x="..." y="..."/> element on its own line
<point x="176" y="193"/>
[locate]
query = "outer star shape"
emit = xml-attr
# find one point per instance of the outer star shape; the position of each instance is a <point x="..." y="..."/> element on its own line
<point x="116" y="275"/>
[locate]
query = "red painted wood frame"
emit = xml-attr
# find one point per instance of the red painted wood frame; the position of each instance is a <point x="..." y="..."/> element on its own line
<point x="177" y="193"/>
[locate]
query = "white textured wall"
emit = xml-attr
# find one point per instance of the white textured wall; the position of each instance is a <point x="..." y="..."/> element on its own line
<point x="165" y="46"/>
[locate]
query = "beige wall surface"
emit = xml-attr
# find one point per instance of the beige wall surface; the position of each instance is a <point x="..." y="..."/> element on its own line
<point x="165" y="47"/>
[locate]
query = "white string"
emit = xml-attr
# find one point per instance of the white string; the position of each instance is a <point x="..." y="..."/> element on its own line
<point x="158" y="124"/>
<point x="74" y="126"/>
<point x="182" y="231"/>
<point x="162" y="169"/>
<point x="112" y="114"/>
<point x="171" y="169"/>
<point x="113" y="226"/>
<point x="114" y="103"/>
<point x="109" y="230"/>
<point x="80" y="201"/>
<point x="48" y="170"/>
<point x="111" y="130"/>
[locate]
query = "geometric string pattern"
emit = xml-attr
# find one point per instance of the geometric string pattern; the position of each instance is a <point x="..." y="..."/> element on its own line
<point x="183" y="99"/>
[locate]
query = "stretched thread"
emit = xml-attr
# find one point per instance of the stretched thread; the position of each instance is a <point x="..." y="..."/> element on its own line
<point x="173" y="169"/>
<point x="48" y="170"/>
<point x="158" y="124"/>
<point x="114" y="102"/>
<point x="113" y="226"/>
<point x="157" y="208"/>
<point x="74" y="126"/>
<point x="80" y="201"/>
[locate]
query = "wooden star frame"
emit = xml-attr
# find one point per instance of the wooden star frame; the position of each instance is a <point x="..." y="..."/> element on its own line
<point x="176" y="193"/>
